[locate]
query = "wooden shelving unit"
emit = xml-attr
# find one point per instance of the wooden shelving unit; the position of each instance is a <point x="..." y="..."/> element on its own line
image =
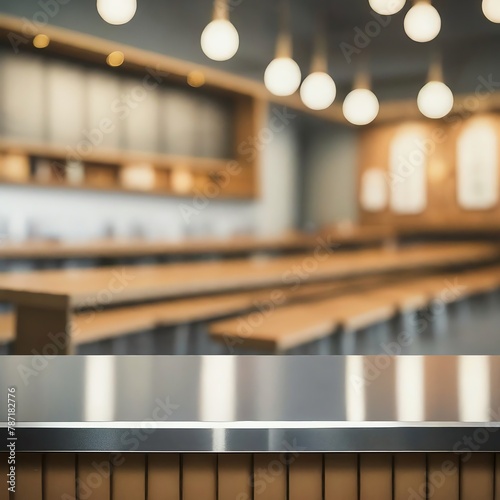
<point x="50" y="166"/>
<point x="45" y="164"/>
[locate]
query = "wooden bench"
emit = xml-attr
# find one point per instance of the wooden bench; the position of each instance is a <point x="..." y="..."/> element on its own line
<point x="91" y="326"/>
<point x="412" y="294"/>
<point x="292" y="326"/>
<point x="46" y="301"/>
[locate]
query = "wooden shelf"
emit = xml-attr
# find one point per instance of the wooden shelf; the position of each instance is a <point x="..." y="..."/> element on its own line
<point x="86" y="187"/>
<point x="110" y="156"/>
<point x="42" y="162"/>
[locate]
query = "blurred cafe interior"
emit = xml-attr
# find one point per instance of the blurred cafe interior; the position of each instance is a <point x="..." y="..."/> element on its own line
<point x="270" y="231"/>
<point x="249" y="177"/>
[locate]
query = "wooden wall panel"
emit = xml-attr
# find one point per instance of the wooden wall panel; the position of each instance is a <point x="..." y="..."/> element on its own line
<point x="477" y="477"/>
<point x="163" y="476"/>
<point x="234" y="472"/>
<point x="29" y="476"/>
<point x="441" y="143"/>
<point x="128" y="481"/>
<point x="331" y="476"/>
<point x="409" y="476"/>
<point x="59" y="476"/>
<point x="93" y="476"/>
<point x="497" y="476"/>
<point x="443" y="476"/>
<point x="341" y="476"/>
<point x="199" y="477"/>
<point x="270" y="476"/>
<point x="306" y="477"/>
<point x="4" y="468"/>
<point x="375" y="476"/>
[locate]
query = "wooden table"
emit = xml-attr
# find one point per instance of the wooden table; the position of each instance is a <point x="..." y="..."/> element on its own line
<point x="44" y="300"/>
<point x="128" y="247"/>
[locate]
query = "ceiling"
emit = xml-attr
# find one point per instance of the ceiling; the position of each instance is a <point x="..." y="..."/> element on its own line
<point x="469" y="43"/>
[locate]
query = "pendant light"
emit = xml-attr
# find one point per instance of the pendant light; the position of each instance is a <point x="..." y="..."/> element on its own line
<point x="491" y="9"/>
<point x="116" y="11"/>
<point x="387" y="7"/>
<point x="435" y="99"/>
<point x="318" y="90"/>
<point x="361" y="105"/>
<point x="220" y="39"/>
<point x="282" y="75"/>
<point x="422" y="22"/>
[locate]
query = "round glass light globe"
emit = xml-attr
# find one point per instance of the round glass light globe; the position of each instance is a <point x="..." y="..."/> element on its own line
<point x="387" y="7"/>
<point x="491" y="9"/>
<point x="116" y="11"/>
<point x="318" y="90"/>
<point x="435" y="100"/>
<point x="282" y="76"/>
<point x="422" y="22"/>
<point x="360" y="107"/>
<point x="220" y="40"/>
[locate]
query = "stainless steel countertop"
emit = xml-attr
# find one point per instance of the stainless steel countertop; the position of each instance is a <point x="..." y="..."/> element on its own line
<point x="253" y="403"/>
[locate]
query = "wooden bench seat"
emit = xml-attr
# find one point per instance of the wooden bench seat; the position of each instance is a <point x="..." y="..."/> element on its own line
<point x="92" y="326"/>
<point x="291" y="326"/>
<point x="354" y="311"/>
<point x="6" y="327"/>
<point x="294" y="325"/>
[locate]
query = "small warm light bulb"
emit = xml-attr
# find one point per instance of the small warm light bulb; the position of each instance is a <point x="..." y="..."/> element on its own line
<point x="220" y="40"/>
<point x="387" y="7"/>
<point x="115" y="59"/>
<point x="318" y="90"/>
<point x="491" y="9"/>
<point x="117" y="11"/>
<point x="360" y="107"/>
<point x="41" y="41"/>
<point x="182" y="180"/>
<point x="196" y="78"/>
<point x="282" y="76"/>
<point x="435" y="100"/>
<point x="422" y="22"/>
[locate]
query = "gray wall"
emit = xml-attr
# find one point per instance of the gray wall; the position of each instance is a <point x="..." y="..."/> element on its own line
<point x="329" y="175"/>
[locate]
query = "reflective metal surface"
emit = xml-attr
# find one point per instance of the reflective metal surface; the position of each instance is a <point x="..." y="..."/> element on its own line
<point x="254" y="403"/>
